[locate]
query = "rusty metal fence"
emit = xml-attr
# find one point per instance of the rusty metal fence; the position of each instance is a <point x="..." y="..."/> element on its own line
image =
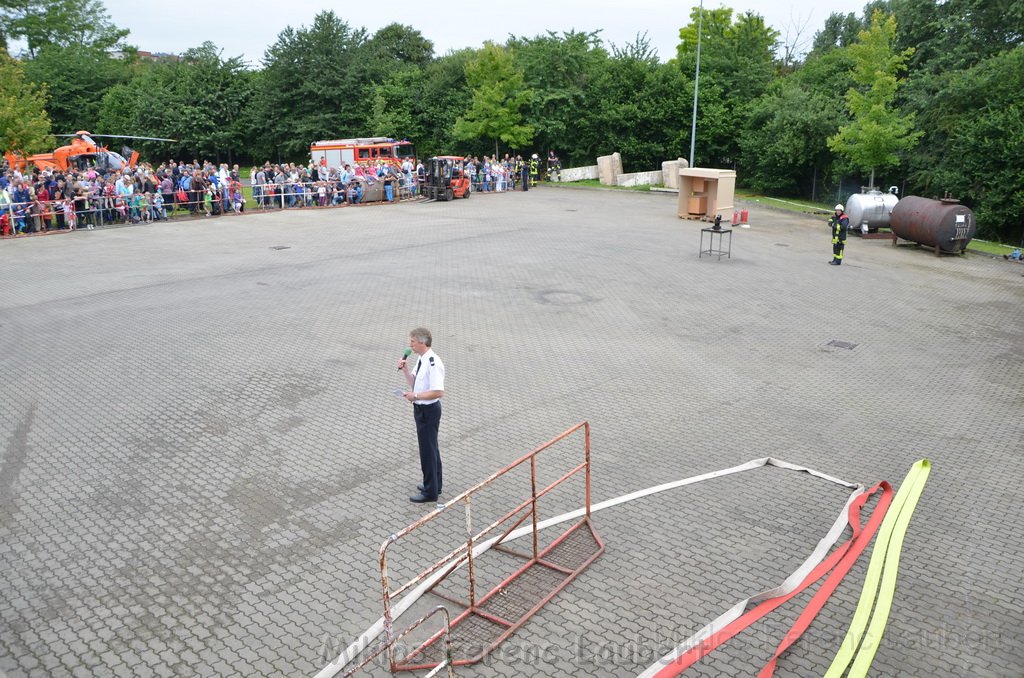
<point x="389" y="644"/>
<point x="489" y="617"/>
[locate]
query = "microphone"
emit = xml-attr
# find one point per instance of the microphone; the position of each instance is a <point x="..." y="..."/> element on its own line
<point x="405" y="356"/>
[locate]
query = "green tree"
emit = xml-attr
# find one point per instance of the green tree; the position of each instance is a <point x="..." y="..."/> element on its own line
<point x="976" y="150"/>
<point x="737" y="65"/>
<point x="783" y="147"/>
<point x="737" y="56"/>
<point x="393" y="105"/>
<point x="559" y="70"/>
<point x="398" y="55"/>
<point x="711" y="28"/>
<point x="76" y="78"/>
<point x="202" y="100"/>
<point x="422" y="104"/>
<point x="315" y="85"/>
<point x="956" y="34"/>
<point x="24" y="125"/>
<point x="443" y="98"/>
<point x="396" y="45"/>
<point x="840" y="30"/>
<point x="58" y="22"/>
<point x="634" y="106"/>
<point x="212" y="96"/>
<point x="499" y="96"/>
<point x="878" y="132"/>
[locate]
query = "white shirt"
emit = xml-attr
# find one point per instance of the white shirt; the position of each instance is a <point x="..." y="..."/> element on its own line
<point x="429" y="376"/>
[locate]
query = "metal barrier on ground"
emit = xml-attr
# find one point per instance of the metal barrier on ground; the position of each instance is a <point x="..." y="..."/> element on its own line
<point x="490" y="617"/>
<point x="389" y="644"/>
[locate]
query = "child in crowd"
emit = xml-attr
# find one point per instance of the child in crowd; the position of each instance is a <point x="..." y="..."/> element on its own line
<point x="92" y="212"/>
<point x="110" y="207"/>
<point x="355" y="192"/>
<point x="134" y="207"/>
<point x="208" y="201"/>
<point x="70" y="218"/>
<point x="81" y="207"/>
<point x="43" y="207"/>
<point x="95" y="198"/>
<point x="158" y="207"/>
<point x="237" y="201"/>
<point x="144" y="214"/>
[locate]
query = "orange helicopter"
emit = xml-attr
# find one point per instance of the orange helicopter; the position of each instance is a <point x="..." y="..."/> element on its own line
<point x="81" y="153"/>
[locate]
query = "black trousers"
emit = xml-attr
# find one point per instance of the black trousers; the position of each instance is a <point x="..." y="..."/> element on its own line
<point x="428" y="421"/>
<point x="837" y="250"/>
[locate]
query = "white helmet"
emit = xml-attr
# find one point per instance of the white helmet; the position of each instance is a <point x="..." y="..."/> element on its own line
<point x="534" y="156"/>
<point x="839" y="208"/>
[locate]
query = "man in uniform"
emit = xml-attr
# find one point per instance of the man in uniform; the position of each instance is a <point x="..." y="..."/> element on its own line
<point x="534" y="169"/>
<point x="839" y="223"/>
<point x="427" y="388"/>
<point x="554" y="166"/>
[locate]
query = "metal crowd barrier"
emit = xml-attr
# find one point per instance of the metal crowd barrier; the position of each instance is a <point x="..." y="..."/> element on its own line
<point x="104" y="210"/>
<point x="388" y="644"/>
<point x="490" y="617"/>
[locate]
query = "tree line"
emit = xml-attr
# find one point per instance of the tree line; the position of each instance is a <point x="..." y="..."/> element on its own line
<point x="920" y="94"/>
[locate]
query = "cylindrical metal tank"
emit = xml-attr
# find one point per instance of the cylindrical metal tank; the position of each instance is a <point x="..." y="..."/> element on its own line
<point x="944" y="224"/>
<point x="869" y="210"/>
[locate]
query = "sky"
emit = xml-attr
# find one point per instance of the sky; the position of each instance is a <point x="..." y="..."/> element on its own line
<point x="248" y="29"/>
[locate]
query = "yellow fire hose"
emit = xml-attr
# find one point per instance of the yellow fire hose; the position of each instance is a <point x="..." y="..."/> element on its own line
<point x="859" y="645"/>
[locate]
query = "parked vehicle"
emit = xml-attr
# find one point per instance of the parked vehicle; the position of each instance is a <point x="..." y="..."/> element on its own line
<point x="367" y="151"/>
<point x="446" y="178"/>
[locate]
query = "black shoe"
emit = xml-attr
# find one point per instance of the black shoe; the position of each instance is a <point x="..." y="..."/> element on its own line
<point x="834" y="263"/>
<point x="421" y="488"/>
<point x="421" y="499"/>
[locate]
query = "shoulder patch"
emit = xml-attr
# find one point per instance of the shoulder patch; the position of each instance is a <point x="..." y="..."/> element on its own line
<point x="431" y="360"/>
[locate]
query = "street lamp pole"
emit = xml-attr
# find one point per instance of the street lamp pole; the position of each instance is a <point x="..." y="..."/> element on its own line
<point x="696" y="83"/>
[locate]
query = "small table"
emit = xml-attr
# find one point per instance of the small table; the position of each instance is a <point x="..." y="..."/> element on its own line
<point x="711" y="250"/>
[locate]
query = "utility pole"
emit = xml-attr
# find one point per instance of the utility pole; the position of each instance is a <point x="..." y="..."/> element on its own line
<point x="696" y="83"/>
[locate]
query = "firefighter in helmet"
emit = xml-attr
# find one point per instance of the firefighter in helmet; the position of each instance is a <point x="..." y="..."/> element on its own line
<point x="840" y="223"/>
<point x="534" y="169"/>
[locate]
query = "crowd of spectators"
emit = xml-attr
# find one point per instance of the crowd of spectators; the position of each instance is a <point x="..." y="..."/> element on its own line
<point x="83" y="197"/>
<point x="493" y="174"/>
<point x="288" y="185"/>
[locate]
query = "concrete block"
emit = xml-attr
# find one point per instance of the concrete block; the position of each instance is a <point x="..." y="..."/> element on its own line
<point x="578" y="173"/>
<point x="670" y="172"/>
<point x="609" y="167"/>
<point x="654" y="178"/>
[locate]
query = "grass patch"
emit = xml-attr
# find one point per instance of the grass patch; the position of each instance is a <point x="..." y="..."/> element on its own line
<point x="990" y="247"/>
<point x="594" y="183"/>
<point x="788" y="204"/>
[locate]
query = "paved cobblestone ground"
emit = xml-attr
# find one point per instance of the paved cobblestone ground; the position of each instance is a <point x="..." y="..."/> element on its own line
<point x="200" y="454"/>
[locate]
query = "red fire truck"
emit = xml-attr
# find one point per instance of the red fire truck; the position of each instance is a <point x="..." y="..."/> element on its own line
<point x="338" y="152"/>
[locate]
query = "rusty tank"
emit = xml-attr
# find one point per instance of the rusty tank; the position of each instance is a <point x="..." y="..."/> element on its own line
<point x="943" y="224"/>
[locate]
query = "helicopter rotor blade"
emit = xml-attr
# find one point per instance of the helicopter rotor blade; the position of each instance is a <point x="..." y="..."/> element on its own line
<point x="122" y="136"/>
<point x="118" y="136"/>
